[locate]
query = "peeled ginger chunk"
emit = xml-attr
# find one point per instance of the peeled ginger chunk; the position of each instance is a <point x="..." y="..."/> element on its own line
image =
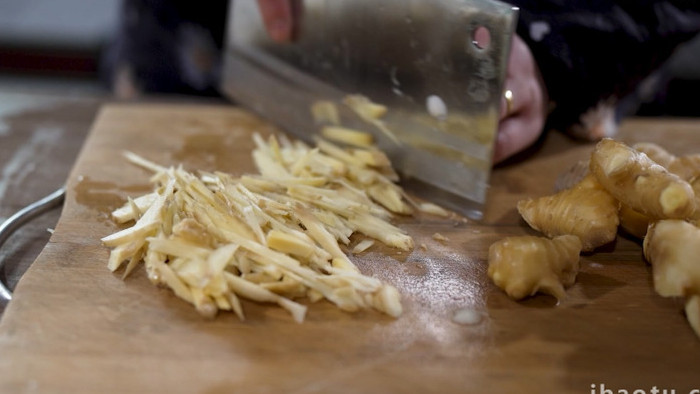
<point x="639" y="182"/>
<point x="585" y="210"/>
<point x="673" y="249"/>
<point x="523" y="266"/>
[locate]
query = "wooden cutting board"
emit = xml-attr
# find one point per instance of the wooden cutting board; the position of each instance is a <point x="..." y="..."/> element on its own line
<point x="75" y="327"/>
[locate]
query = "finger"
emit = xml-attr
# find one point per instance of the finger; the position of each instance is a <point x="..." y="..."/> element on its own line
<point x="278" y="18"/>
<point x="520" y="71"/>
<point x="506" y="104"/>
<point x="520" y="130"/>
<point x="514" y="135"/>
<point x="520" y="97"/>
<point x="518" y="87"/>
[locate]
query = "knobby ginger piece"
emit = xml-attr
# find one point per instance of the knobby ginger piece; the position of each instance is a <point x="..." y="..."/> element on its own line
<point x="655" y="152"/>
<point x="633" y="222"/>
<point x="523" y="266"/>
<point x="585" y="210"/>
<point x="686" y="167"/>
<point x="673" y="249"/>
<point x="636" y="180"/>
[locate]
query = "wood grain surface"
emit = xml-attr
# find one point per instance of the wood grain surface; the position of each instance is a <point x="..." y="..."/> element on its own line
<point x="40" y="137"/>
<point x="75" y="327"/>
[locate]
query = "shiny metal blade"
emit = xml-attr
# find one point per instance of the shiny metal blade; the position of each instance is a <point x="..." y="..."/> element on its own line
<point x="426" y="60"/>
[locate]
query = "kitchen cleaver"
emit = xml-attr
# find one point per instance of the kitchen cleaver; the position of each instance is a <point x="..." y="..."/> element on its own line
<point x="437" y="65"/>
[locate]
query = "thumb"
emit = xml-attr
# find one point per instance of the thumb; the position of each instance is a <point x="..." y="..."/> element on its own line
<point x="278" y="18"/>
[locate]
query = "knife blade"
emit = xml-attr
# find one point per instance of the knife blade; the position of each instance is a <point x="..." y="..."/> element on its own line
<point x="437" y="65"/>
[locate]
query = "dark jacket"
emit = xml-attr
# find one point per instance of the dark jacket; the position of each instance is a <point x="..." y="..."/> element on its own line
<point x="593" y="50"/>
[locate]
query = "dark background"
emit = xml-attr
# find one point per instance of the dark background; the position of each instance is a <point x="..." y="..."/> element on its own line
<point x="55" y="46"/>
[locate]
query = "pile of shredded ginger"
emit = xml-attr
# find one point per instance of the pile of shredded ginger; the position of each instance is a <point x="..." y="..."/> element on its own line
<point x="274" y="237"/>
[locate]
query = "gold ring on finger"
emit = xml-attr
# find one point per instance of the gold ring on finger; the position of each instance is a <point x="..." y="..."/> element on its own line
<point x="508" y="95"/>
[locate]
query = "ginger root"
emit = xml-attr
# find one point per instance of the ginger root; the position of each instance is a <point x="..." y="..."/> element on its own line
<point x="585" y="210"/>
<point x="523" y="266"/>
<point x="673" y="249"/>
<point x="633" y="222"/>
<point x="639" y="182"/>
<point x="686" y="167"/>
<point x="645" y="191"/>
<point x="655" y="152"/>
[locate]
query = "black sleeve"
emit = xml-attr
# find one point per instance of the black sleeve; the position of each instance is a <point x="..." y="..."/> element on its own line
<point x="594" y="50"/>
<point x="168" y="45"/>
